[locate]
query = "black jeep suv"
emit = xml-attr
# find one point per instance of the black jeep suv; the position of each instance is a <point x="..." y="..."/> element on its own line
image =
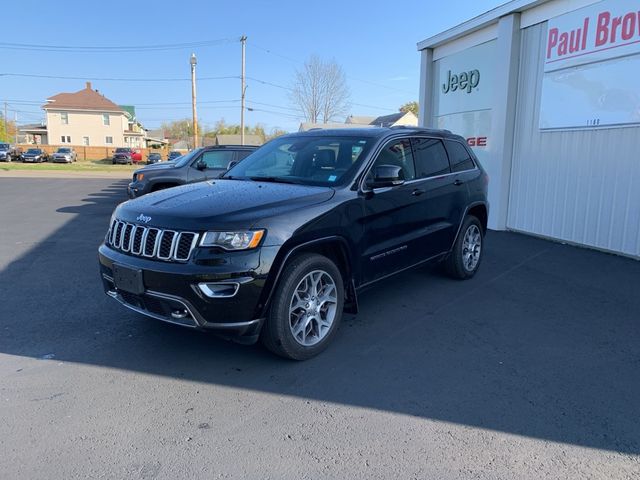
<point x="200" y="164"/>
<point x="281" y="244"/>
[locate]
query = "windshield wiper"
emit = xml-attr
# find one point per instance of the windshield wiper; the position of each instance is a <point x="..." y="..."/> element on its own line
<point x="271" y="179"/>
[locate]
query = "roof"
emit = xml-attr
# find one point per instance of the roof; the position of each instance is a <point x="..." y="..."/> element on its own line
<point x="228" y="139"/>
<point x="305" y="126"/>
<point x="85" y="99"/>
<point x="130" y="110"/>
<point x="373" y="131"/>
<point x="33" y="127"/>
<point x="479" y="22"/>
<point x="387" y="120"/>
<point x="359" y="119"/>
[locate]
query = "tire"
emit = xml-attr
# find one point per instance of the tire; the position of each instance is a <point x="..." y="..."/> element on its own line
<point x="461" y="263"/>
<point x="321" y="320"/>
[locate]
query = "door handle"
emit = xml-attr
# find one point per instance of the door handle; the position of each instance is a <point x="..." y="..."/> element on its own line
<point x="417" y="192"/>
<point x="458" y="182"/>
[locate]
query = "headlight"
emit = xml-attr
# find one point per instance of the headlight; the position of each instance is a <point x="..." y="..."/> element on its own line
<point x="139" y="177"/>
<point x="232" y="240"/>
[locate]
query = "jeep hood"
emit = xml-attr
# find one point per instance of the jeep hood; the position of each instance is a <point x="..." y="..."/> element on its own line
<point x="220" y="204"/>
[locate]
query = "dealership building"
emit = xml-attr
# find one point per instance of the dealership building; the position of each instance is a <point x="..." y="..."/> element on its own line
<point x="547" y="93"/>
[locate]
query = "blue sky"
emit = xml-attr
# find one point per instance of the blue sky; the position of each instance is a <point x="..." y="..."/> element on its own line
<point x="374" y="42"/>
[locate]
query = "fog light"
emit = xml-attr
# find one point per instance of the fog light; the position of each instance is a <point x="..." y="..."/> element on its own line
<point x="179" y="313"/>
<point x="219" y="289"/>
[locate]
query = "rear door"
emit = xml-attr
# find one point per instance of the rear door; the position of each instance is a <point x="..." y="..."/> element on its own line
<point x="443" y="198"/>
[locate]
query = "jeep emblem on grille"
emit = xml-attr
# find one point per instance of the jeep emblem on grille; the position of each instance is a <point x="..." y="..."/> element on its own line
<point x="143" y="218"/>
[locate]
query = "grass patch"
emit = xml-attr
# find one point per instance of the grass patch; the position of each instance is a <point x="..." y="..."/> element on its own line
<point x="103" y="165"/>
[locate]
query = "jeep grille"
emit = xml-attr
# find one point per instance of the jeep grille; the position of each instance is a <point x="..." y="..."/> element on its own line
<point x="167" y="245"/>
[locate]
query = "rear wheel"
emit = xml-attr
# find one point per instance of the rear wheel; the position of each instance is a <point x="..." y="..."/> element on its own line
<point x="306" y="308"/>
<point x="464" y="260"/>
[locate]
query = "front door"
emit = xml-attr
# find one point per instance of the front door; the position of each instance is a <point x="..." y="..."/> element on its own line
<point x="390" y="217"/>
<point x="216" y="162"/>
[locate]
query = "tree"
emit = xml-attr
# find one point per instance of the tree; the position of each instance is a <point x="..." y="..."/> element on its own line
<point x="180" y="129"/>
<point x="410" y="107"/>
<point x="320" y="90"/>
<point x="275" y="132"/>
<point x="7" y="130"/>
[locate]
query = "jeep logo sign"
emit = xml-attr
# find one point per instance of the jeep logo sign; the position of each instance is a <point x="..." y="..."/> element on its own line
<point x="143" y="218"/>
<point x="462" y="81"/>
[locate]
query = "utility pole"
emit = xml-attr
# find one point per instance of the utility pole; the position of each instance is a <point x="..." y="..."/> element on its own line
<point x="6" y="130"/>
<point x="243" y="40"/>
<point x="193" y="63"/>
<point x="15" y="124"/>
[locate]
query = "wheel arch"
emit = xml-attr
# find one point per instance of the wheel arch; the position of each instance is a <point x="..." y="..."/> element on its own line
<point x="478" y="209"/>
<point x="335" y="247"/>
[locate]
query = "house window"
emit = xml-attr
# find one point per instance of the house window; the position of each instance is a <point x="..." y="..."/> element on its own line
<point x="105" y="119"/>
<point x="64" y="118"/>
<point x="85" y="141"/>
<point x="65" y="139"/>
<point x="108" y="140"/>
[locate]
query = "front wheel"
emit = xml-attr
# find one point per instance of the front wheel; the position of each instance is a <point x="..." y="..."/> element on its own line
<point x="464" y="260"/>
<point x="306" y="309"/>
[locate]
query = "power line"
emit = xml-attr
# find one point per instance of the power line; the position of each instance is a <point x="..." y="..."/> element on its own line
<point x="299" y="62"/>
<point x="111" y="79"/>
<point x="116" y="49"/>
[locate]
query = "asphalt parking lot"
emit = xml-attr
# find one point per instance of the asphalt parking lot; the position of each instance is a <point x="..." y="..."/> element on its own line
<point x="530" y="370"/>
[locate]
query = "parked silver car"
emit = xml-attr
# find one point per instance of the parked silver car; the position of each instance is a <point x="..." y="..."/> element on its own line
<point x="64" y="155"/>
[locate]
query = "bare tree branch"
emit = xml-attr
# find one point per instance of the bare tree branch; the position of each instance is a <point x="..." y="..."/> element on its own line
<point x="320" y="90"/>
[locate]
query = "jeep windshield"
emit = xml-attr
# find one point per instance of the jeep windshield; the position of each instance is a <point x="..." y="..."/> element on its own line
<point x="123" y="150"/>
<point x="34" y="151"/>
<point x="4" y="146"/>
<point x="64" y="150"/>
<point x="320" y="161"/>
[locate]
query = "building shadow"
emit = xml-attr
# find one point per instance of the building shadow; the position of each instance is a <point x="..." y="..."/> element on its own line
<point x="544" y="342"/>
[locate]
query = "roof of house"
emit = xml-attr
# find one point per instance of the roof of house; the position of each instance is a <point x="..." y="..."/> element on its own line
<point x="387" y="120"/>
<point x="85" y="99"/>
<point x="359" y="119"/>
<point x="33" y="127"/>
<point x="236" y="140"/>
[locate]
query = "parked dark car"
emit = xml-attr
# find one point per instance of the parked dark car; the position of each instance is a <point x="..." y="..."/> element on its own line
<point x="9" y="152"/>
<point x="283" y="243"/>
<point x="123" y="156"/>
<point x="64" y="155"/>
<point x="35" y="155"/>
<point x="154" y="158"/>
<point x="200" y="164"/>
<point x="173" y="155"/>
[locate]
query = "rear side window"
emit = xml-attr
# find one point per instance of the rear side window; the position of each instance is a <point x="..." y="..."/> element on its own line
<point x="459" y="157"/>
<point x="431" y="158"/>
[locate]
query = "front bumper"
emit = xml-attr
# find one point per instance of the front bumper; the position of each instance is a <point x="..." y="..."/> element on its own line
<point x="171" y="291"/>
<point x="61" y="160"/>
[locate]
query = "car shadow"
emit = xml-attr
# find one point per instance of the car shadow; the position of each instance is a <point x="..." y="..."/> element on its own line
<point x="544" y="342"/>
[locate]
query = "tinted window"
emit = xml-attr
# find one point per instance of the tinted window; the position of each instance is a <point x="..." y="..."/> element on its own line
<point x="399" y="154"/>
<point x="217" y="158"/>
<point x="458" y="156"/>
<point x="243" y="154"/>
<point x="431" y="158"/>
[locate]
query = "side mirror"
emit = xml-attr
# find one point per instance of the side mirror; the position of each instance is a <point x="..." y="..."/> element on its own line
<point x="201" y="165"/>
<point x="232" y="164"/>
<point x="386" y="176"/>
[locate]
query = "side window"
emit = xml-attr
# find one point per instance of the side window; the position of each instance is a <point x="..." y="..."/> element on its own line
<point x="458" y="156"/>
<point x="241" y="155"/>
<point x="217" y="158"/>
<point x="397" y="153"/>
<point x="431" y="158"/>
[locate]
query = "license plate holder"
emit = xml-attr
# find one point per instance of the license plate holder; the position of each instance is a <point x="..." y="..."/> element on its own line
<point x="128" y="279"/>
